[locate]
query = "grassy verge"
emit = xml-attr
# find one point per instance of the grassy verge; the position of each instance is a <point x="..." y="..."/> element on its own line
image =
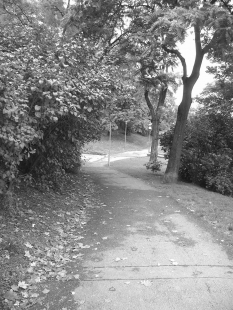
<point x="212" y="210"/>
<point x="134" y="142"/>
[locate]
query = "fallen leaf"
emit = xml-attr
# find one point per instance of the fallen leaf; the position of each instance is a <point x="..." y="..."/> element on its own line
<point x="23" y="285"/>
<point x="45" y="291"/>
<point x="28" y="245"/>
<point x="27" y="254"/>
<point x="83" y="246"/>
<point x="14" y="287"/>
<point x="146" y="282"/>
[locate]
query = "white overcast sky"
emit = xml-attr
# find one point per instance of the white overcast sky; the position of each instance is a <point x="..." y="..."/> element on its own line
<point x="188" y="52"/>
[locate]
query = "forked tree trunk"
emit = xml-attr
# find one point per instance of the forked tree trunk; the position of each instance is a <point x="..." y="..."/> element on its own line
<point x="155" y="119"/>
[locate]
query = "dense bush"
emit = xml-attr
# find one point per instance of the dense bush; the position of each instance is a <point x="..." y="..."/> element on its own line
<point x="52" y="92"/>
<point x="207" y="152"/>
<point x="154" y="165"/>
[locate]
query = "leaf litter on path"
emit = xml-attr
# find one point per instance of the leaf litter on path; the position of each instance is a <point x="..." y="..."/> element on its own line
<point x="47" y="232"/>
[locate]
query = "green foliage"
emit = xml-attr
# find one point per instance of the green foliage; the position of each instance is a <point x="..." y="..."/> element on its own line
<point x="154" y="166"/>
<point x="52" y="92"/>
<point x="207" y="152"/>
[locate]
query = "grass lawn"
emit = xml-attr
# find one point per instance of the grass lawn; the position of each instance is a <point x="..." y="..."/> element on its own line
<point x="134" y="142"/>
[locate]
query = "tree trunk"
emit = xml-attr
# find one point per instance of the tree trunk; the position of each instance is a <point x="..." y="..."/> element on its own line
<point x="171" y="174"/>
<point x="155" y="119"/>
<point x="154" y="140"/>
<point x="155" y="124"/>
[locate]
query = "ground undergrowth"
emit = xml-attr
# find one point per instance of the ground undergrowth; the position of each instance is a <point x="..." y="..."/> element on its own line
<point x="39" y="245"/>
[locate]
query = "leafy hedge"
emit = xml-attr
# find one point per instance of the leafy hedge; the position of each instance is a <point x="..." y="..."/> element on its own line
<point x="207" y="153"/>
<point x="52" y="93"/>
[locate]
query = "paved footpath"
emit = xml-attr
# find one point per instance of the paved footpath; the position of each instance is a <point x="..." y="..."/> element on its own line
<point x="146" y="254"/>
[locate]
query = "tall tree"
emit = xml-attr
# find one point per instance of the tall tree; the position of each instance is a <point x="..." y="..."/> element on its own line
<point x="156" y="87"/>
<point x="139" y="49"/>
<point x="212" y="26"/>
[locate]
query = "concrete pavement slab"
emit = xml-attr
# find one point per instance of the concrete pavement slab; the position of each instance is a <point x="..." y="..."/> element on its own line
<point x="146" y="254"/>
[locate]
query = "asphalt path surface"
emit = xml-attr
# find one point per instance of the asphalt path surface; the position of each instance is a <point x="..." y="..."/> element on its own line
<point x="146" y="252"/>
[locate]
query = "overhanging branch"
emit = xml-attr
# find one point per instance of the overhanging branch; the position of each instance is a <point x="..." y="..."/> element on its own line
<point x="178" y="54"/>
